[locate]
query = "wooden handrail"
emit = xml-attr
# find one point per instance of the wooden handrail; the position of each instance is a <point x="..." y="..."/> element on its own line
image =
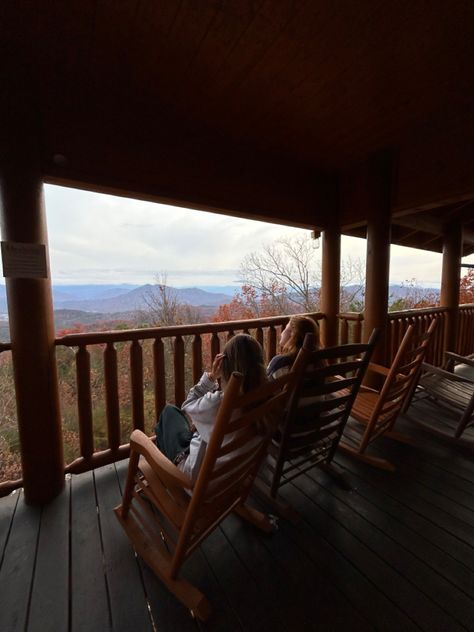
<point x="126" y="335"/>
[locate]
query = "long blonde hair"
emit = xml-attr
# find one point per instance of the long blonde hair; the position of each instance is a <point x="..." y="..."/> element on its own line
<point x="300" y="326"/>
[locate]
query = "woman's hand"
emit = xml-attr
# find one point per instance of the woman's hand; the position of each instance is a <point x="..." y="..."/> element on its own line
<point x="216" y="370"/>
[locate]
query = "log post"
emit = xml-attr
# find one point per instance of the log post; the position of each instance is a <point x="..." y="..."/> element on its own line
<point x="379" y="187"/>
<point x="450" y="282"/>
<point x="330" y="285"/>
<point x="30" y="312"/>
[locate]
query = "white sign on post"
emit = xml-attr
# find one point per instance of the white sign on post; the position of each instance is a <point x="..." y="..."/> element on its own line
<point x="24" y="261"/>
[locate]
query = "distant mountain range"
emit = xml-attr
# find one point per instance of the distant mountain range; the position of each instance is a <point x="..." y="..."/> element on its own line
<point x="124" y="298"/>
<point x="110" y="299"/>
<point x="89" y="304"/>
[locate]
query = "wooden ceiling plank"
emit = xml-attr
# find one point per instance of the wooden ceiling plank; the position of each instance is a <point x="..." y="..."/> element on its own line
<point x="154" y="23"/>
<point x="316" y="74"/>
<point x="113" y="31"/>
<point x="230" y="21"/>
<point x="270" y="21"/>
<point x="188" y="32"/>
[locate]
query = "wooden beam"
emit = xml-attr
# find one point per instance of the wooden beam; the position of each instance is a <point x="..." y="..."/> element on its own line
<point x="429" y="224"/>
<point x="201" y="171"/>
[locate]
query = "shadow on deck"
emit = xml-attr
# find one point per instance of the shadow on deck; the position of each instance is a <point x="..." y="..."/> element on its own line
<point x="395" y="553"/>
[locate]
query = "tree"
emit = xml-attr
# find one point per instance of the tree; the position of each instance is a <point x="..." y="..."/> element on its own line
<point x="466" y="290"/>
<point x="352" y="285"/>
<point x="285" y="274"/>
<point x="285" y="277"/>
<point x="416" y="297"/>
<point x="164" y="308"/>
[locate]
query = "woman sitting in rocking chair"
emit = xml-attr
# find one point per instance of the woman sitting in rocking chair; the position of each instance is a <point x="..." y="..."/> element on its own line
<point x="182" y="434"/>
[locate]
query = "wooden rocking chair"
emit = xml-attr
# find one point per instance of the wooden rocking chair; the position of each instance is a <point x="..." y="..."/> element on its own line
<point x="374" y="412"/>
<point x="314" y="422"/>
<point x="453" y="390"/>
<point x="166" y="516"/>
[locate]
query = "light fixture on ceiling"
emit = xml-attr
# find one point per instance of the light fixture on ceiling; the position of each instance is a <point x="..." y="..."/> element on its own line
<point x="315" y="236"/>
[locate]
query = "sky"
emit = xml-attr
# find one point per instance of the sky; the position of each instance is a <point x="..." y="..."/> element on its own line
<point x="97" y="238"/>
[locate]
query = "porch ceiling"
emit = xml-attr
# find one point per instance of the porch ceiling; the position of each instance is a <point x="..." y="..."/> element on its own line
<point x="248" y="106"/>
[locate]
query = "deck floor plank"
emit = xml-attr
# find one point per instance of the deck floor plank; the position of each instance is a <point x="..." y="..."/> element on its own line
<point x="16" y="573"/>
<point x="378" y="557"/>
<point x="278" y="591"/>
<point x="413" y="531"/>
<point x="126" y="591"/>
<point x="328" y="606"/>
<point x="166" y="611"/>
<point x="432" y="596"/>
<point x="49" y="607"/>
<point x="352" y="573"/>
<point x="223" y="616"/>
<point x="90" y="609"/>
<point x="239" y="586"/>
<point x="7" y="511"/>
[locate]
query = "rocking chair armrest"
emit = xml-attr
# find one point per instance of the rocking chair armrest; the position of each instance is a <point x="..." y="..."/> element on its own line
<point x="459" y="358"/>
<point x="378" y="368"/>
<point x="429" y="368"/>
<point x="160" y="464"/>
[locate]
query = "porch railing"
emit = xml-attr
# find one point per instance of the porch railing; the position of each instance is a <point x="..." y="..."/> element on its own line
<point x="117" y="381"/>
<point x="351" y="328"/>
<point x="8" y="424"/>
<point x="465" y="337"/>
<point x="172" y="358"/>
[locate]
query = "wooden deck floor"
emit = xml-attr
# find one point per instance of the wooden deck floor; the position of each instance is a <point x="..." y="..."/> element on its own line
<point x="395" y="553"/>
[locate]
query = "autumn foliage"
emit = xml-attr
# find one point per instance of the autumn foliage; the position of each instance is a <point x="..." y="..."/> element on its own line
<point x="466" y="291"/>
<point x="249" y="303"/>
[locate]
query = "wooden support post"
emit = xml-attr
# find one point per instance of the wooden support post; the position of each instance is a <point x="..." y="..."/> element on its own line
<point x="379" y="186"/>
<point x="330" y="285"/>
<point x="30" y="312"/>
<point x="450" y="281"/>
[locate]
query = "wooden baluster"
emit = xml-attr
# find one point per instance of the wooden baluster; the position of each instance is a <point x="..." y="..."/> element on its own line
<point x="159" y="376"/>
<point x="259" y="335"/>
<point x="440" y="340"/>
<point x="429" y="350"/>
<point x="344" y="331"/>
<point x="395" y="335"/>
<point x="419" y="328"/>
<point x="136" y="377"/>
<point x="197" y="357"/>
<point x="271" y="343"/>
<point x="358" y="331"/>
<point x="230" y="334"/>
<point x="84" y="401"/>
<point x="434" y="353"/>
<point x="178" y="348"/>
<point x="460" y="333"/>
<point x="112" y="406"/>
<point x="215" y="345"/>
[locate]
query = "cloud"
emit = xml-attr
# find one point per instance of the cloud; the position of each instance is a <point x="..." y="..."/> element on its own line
<point x="103" y="238"/>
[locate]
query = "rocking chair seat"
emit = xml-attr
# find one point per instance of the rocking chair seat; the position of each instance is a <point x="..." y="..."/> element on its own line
<point x="453" y="390"/>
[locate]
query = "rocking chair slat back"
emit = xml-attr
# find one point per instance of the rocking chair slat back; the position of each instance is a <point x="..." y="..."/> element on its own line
<point x="316" y="415"/>
<point x="377" y="411"/>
